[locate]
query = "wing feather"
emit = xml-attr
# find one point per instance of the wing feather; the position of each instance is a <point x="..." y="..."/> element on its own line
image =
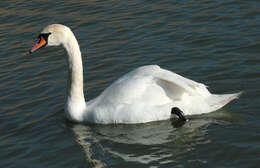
<point x="175" y="85"/>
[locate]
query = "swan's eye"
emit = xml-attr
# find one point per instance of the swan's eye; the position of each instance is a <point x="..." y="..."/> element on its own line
<point x="39" y="40"/>
<point x="44" y="36"/>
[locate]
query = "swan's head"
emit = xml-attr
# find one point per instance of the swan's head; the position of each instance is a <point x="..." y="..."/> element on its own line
<point x="52" y="35"/>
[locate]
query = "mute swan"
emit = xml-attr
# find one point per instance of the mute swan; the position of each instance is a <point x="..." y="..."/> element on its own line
<point x="146" y="94"/>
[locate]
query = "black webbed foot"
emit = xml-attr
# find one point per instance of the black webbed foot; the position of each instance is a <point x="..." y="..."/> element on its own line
<point x="179" y="113"/>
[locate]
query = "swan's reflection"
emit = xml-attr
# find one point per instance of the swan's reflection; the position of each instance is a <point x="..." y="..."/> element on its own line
<point x="160" y="142"/>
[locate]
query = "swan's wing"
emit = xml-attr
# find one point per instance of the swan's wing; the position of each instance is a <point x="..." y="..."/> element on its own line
<point x="151" y="85"/>
<point x="175" y="85"/>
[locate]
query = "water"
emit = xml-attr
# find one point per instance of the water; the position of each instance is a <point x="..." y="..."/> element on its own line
<point x="214" y="42"/>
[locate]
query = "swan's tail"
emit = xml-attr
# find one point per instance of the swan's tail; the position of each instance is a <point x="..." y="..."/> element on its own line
<point x="217" y="101"/>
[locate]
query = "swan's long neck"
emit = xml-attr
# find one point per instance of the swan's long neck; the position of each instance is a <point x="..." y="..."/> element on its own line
<point x="75" y="74"/>
<point x="75" y="97"/>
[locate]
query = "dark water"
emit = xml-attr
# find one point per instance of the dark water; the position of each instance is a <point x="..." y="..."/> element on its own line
<point x="214" y="42"/>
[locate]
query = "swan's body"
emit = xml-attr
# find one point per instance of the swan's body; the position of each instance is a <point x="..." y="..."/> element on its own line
<point x="145" y="94"/>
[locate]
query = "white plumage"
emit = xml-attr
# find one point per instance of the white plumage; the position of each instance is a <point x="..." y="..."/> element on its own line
<point x="145" y="94"/>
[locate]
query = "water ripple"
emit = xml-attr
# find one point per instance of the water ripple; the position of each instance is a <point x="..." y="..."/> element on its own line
<point x="211" y="42"/>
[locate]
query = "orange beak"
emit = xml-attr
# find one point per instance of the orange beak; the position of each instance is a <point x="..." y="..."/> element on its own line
<point x="41" y="43"/>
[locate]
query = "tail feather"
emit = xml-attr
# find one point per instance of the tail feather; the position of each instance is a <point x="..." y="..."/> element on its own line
<point x="217" y="101"/>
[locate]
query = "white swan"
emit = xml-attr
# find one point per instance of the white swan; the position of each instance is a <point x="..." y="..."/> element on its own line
<point x="145" y="94"/>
